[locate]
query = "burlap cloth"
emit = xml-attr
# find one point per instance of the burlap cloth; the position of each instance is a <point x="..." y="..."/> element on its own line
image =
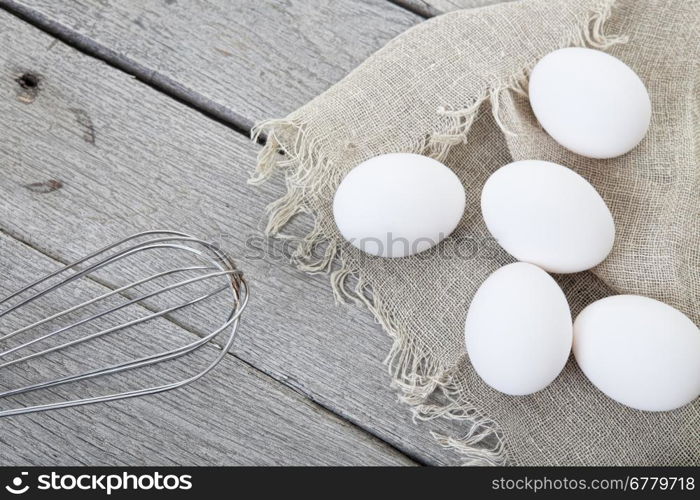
<point x="454" y="87"/>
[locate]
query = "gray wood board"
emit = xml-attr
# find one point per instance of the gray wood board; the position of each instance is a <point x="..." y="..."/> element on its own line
<point x="243" y="61"/>
<point x="91" y="155"/>
<point x="235" y="415"/>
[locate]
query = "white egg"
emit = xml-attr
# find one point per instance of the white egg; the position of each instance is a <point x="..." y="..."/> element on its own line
<point x="639" y="351"/>
<point x="590" y="102"/>
<point x="398" y="204"/>
<point x="548" y="215"/>
<point x="518" y="329"/>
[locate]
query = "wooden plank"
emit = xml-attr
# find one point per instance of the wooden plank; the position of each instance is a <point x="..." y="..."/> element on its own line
<point x="243" y="61"/>
<point x="133" y="159"/>
<point x="236" y="415"/>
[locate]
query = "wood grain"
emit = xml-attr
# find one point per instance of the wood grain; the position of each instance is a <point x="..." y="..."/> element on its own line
<point x="242" y="61"/>
<point x="134" y="159"/>
<point x="235" y="415"/>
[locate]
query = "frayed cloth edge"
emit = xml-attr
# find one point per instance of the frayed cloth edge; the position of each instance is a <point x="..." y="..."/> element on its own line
<point x="289" y="148"/>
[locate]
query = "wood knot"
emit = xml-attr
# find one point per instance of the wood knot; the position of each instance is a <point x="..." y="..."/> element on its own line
<point x="29" y="87"/>
<point x="45" y="186"/>
<point x="28" y="81"/>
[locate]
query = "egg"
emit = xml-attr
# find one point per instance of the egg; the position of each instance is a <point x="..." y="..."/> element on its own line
<point x="518" y="329"/>
<point x="548" y="215"/>
<point x="590" y="102"/>
<point x="398" y="204"/>
<point x="640" y="352"/>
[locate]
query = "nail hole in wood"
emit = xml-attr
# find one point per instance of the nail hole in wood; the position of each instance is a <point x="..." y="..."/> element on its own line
<point x="28" y="81"/>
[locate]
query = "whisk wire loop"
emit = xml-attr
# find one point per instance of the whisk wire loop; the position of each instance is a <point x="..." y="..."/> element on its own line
<point x="212" y="260"/>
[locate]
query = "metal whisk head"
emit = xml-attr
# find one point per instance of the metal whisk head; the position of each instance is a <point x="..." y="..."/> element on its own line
<point x="73" y="335"/>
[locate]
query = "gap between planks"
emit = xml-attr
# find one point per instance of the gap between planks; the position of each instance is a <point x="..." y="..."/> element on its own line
<point x="152" y="78"/>
<point x="192" y="100"/>
<point x="149" y="77"/>
<point x="268" y="376"/>
<point x="418" y="7"/>
<point x="170" y="88"/>
<point x="154" y="405"/>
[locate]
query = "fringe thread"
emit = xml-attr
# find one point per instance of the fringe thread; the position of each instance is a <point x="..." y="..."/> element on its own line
<point x="415" y="374"/>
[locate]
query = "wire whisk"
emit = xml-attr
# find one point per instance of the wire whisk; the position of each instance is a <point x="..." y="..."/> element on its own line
<point x="70" y="319"/>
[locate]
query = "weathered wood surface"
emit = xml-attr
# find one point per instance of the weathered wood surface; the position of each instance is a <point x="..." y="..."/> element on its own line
<point x="236" y="415"/>
<point x="244" y="60"/>
<point x="91" y="155"/>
